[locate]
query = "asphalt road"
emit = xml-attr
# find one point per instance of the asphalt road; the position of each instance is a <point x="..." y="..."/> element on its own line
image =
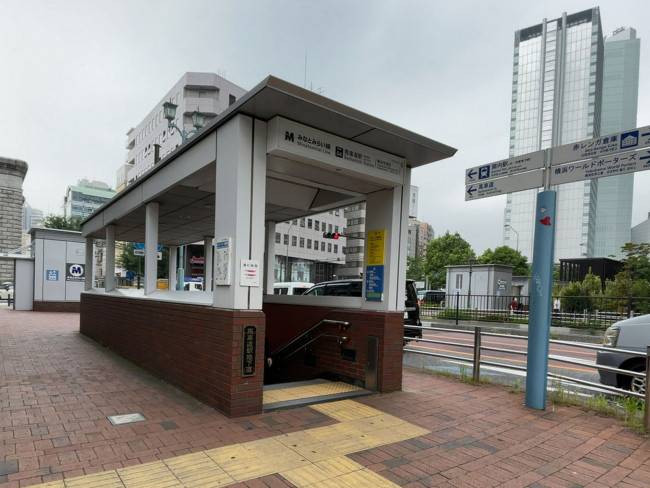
<point x="506" y="352"/>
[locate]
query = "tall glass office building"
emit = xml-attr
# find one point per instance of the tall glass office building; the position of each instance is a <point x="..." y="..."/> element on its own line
<point x="619" y="110"/>
<point x="557" y="95"/>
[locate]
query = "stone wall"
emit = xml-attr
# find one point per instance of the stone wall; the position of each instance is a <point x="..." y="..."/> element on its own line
<point x="12" y="175"/>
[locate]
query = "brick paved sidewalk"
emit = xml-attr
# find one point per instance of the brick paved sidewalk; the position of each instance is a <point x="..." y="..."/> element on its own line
<point x="57" y="388"/>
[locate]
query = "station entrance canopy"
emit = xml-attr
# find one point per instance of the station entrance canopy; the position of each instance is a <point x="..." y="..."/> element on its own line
<point x="183" y="183"/>
<point x="279" y="153"/>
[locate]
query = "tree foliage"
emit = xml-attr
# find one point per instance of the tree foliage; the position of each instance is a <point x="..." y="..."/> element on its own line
<point x="62" y="223"/>
<point x="446" y="250"/>
<point x="130" y="262"/>
<point x="576" y="296"/>
<point x="415" y="268"/>
<point x="509" y="256"/>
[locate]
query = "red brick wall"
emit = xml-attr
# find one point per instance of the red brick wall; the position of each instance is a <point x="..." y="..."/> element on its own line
<point x="70" y="307"/>
<point x="284" y="322"/>
<point x="196" y="348"/>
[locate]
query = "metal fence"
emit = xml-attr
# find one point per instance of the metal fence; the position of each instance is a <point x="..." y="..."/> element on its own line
<point x="594" y="313"/>
<point x="477" y="361"/>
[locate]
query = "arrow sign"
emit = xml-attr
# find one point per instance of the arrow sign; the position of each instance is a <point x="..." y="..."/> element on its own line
<point x="505" y="167"/>
<point x="611" y="165"/>
<point x="501" y="186"/>
<point x="602" y="146"/>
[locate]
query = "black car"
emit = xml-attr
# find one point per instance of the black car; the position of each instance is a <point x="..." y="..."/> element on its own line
<point x="354" y="288"/>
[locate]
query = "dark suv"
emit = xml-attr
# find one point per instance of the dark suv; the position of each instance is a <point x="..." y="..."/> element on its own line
<point x="354" y="287"/>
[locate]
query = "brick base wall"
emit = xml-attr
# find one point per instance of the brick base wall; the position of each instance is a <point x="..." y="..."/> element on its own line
<point x="70" y="307"/>
<point x="198" y="349"/>
<point x="284" y="322"/>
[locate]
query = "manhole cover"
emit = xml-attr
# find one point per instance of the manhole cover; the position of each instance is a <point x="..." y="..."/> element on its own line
<point x="126" y="418"/>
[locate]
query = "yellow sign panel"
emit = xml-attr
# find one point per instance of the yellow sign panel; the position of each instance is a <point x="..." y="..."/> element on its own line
<point x="376" y="240"/>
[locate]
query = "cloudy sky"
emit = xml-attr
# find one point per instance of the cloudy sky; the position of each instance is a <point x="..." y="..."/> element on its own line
<point x="76" y="75"/>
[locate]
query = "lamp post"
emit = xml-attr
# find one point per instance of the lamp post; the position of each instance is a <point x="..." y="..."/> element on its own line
<point x="470" y="262"/>
<point x="198" y="119"/>
<point x="513" y="230"/>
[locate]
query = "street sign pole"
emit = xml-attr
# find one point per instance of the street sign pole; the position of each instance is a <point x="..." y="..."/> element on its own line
<point x="539" y="325"/>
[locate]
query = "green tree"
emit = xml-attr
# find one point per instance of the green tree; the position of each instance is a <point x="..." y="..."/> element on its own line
<point x="415" y="268"/>
<point x="63" y="223"/>
<point x="576" y="297"/>
<point x="506" y="255"/>
<point x="130" y="262"/>
<point x="446" y="250"/>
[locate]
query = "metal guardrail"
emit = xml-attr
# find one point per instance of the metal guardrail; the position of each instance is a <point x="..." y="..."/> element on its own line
<point x="578" y="312"/>
<point x="477" y="361"/>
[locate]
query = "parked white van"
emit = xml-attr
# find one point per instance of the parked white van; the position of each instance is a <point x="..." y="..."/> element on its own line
<point x="291" y="288"/>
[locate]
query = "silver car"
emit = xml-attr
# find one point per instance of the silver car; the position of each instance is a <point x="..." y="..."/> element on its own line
<point x="627" y="335"/>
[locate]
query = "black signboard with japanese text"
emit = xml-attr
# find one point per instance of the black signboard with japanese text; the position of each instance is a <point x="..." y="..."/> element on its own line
<point x="248" y="352"/>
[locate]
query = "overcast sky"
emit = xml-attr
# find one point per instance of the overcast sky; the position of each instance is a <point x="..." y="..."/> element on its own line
<point x="76" y="75"/>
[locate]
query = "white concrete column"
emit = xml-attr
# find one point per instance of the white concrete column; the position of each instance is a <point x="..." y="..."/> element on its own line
<point x="173" y="260"/>
<point x="151" y="248"/>
<point x="207" y="265"/>
<point x="388" y="210"/>
<point x="90" y="263"/>
<point x="109" y="279"/>
<point x="241" y="188"/>
<point x="269" y="259"/>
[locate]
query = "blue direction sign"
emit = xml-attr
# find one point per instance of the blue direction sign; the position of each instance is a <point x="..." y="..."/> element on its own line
<point x="505" y="167"/>
<point x="140" y="246"/>
<point x="602" y="146"/>
<point x="611" y="165"/>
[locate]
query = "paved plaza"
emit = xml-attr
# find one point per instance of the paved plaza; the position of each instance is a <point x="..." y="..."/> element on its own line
<point x="58" y="390"/>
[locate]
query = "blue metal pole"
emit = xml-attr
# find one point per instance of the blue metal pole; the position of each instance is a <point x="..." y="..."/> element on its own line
<point x="541" y="288"/>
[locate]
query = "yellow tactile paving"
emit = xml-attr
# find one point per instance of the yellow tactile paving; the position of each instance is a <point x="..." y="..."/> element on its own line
<point x="307" y="391"/>
<point x="198" y="470"/>
<point x="308" y="459"/>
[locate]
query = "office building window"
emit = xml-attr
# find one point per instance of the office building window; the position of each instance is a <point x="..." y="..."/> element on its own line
<point x="294" y="241"/>
<point x="277" y="238"/>
<point x="302" y="242"/>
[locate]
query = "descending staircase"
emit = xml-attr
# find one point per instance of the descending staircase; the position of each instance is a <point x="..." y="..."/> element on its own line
<point x="302" y="393"/>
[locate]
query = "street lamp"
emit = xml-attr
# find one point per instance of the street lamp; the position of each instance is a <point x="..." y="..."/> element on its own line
<point x="198" y="119"/>
<point x="513" y="230"/>
<point x="470" y="262"/>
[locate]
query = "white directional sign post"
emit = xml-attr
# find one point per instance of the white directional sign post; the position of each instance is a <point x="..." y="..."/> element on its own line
<point x="502" y="186"/>
<point x="601" y="167"/>
<point x="615" y="154"/>
<point x="602" y="146"/>
<point x="505" y="167"/>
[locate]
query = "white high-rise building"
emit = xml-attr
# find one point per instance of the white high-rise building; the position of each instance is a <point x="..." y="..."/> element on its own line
<point x="557" y="98"/>
<point x="207" y="93"/>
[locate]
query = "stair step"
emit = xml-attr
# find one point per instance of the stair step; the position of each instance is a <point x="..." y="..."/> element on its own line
<point x="302" y="393"/>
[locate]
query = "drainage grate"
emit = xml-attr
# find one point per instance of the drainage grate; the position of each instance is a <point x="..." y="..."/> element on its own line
<point x="126" y="418"/>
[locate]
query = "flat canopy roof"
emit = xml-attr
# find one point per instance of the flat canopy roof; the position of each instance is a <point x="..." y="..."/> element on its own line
<point x="186" y="199"/>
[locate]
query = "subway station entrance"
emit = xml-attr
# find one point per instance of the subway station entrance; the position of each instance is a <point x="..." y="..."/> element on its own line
<point x="279" y="153"/>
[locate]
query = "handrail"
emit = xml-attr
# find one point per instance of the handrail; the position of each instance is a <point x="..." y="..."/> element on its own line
<point x="341" y="340"/>
<point x="343" y="325"/>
